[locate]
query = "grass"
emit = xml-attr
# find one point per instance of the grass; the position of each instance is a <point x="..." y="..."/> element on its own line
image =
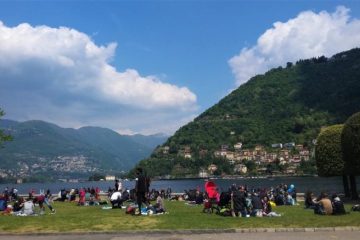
<point x="71" y="218"/>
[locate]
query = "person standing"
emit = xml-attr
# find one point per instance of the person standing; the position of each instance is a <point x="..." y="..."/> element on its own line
<point x="141" y="188"/>
<point x="116" y="184"/>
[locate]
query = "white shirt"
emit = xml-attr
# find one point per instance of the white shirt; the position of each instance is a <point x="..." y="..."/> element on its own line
<point x="115" y="196"/>
<point x="28" y="208"/>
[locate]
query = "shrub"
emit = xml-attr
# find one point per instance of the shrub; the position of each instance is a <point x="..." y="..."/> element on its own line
<point x="350" y="139"/>
<point x="328" y="152"/>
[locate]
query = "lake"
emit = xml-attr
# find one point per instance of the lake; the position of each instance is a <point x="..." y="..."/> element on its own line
<point x="302" y="184"/>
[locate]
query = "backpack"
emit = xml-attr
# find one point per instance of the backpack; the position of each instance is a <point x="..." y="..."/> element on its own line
<point x="338" y="208"/>
<point x="225" y="212"/>
<point x="3" y="204"/>
<point x="130" y="210"/>
<point x="356" y="208"/>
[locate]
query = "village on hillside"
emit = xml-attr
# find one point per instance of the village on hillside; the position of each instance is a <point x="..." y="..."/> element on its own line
<point x="288" y="155"/>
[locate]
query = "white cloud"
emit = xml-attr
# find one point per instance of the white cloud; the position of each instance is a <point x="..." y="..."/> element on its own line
<point x="61" y="75"/>
<point x="72" y="61"/>
<point x="308" y="35"/>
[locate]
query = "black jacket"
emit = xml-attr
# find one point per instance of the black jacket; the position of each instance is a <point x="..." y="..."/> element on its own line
<point x="141" y="185"/>
<point x="239" y="200"/>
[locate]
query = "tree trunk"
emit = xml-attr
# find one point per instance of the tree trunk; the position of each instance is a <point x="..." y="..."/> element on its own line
<point x="346" y="186"/>
<point x="354" y="193"/>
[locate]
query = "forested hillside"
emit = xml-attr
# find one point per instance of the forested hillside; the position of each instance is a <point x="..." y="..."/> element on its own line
<point x="287" y="104"/>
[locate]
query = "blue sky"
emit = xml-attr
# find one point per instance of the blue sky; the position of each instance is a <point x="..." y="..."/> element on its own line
<point x="152" y="66"/>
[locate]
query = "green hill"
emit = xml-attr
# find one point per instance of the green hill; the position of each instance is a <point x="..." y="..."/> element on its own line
<point x="284" y="105"/>
<point x="44" y="149"/>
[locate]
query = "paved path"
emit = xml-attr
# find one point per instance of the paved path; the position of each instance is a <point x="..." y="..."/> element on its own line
<point x="293" y="235"/>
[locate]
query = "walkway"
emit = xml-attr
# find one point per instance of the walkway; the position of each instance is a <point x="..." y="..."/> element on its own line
<point x="349" y="233"/>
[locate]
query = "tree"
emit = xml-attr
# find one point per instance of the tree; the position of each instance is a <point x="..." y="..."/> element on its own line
<point x="350" y="139"/>
<point x="329" y="156"/>
<point x="3" y="136"/>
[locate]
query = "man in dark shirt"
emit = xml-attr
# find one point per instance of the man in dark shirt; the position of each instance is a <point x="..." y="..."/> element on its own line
<point x="239" y="202"/>
<point x="257" y="205"/>
<point x="141" y="187"/>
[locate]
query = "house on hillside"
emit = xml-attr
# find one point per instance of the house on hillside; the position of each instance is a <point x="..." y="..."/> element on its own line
<point x="305" y="154"/>
<point x="185" y="152"/>
<point x="289" y="145"/>
<point x="212" y="168"/>
<point x="203" y="173"/>
<point x="240" y="168"/>
<point x="284" y="154"/>
<point x="276" y="145"/>
<point x="224" y="150"/>
<point x="246" y="154"/>
<point x="166" y="150"/>
<point x="271" y="157"/>
<point x="295" y="160"/>
<point x="238" y="146"/>
<point x="299" y="147"/>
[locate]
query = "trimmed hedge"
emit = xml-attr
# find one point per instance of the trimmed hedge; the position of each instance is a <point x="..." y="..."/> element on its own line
<point x="328" y="152"/>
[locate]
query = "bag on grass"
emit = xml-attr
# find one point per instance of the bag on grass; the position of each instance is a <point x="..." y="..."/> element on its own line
<point x="130" y="210"/>
<point x="356" y="208"/>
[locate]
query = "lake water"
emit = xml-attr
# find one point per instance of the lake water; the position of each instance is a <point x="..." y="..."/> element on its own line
<point x="302" y="184"/>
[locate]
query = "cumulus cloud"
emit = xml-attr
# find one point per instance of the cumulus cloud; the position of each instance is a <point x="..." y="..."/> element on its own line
<point x="70" y="60"/>
<point x="308" y="35"/>
<point x="45" y="70"/>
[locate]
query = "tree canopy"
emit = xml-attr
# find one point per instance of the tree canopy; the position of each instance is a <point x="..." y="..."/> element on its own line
<point x="328" y="152"/>
<point x="3" y="136"/>
<point x="351" y="144"/>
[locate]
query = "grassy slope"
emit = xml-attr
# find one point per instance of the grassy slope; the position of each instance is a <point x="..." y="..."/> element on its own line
<point x="70" y="218"/>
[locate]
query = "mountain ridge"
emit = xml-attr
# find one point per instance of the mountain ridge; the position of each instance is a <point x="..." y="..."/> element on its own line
<point x="37" y="143"/>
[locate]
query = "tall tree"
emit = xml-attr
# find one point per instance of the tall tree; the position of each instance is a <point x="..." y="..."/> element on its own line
<point x="350" y="139"/>
<point x="3" y="136"/>
<point x="329" y="156"/>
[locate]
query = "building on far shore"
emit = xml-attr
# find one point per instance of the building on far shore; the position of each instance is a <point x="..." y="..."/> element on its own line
<point x="109" y="178"/>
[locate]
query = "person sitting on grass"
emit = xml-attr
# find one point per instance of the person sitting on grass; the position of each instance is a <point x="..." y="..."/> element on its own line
<point x="18" y="204"/>
<point x="29" y="207"/>
<point x="267" y="209"/>
<point x="289" y="199"/>
<point x="159" y="206"/>
<point x="323" y="205"/>
<point x="309" y="200"/>
<point x="239" y="202"/>
<point x="257" y="205"/>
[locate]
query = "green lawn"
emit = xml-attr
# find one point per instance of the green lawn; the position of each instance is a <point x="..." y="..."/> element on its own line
<point x="71" y="218"/>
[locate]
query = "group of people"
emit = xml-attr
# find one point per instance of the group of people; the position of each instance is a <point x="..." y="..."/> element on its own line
<point x="258" y="202"/>
<point x="237" y="201"/>
<point x="241" y="201"/>
<point x="324" y="205"/>
<point x="13" y="204"/>
<point x="142" y="195"/>
<point x="139" y="198"/>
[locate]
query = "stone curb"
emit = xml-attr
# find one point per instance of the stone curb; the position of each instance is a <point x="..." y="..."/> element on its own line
<point x="195" y="231"/>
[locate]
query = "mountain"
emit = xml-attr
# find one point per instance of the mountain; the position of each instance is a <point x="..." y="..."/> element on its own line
<point x="284" y="105"/>
<point x="45" y="149"/>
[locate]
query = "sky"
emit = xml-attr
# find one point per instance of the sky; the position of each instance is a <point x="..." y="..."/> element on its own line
<point x="152" y="66"/>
